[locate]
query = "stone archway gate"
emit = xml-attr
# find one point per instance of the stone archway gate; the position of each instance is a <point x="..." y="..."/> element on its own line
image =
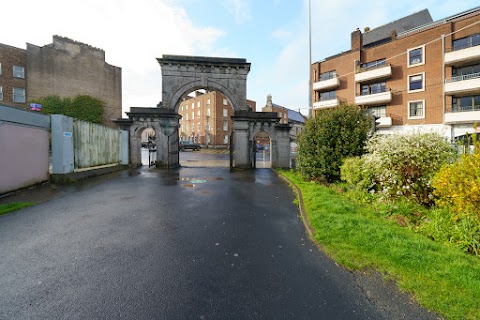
<point x="182" y="75"/>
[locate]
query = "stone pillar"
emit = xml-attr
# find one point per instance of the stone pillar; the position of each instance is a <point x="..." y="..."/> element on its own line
<point x="281" y="146"/>
<point x="62" y="144"/>
<point x="241" y="154"/>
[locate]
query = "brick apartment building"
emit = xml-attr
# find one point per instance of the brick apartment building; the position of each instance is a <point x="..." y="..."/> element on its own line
<point x="415" y="74"/>
<point x="13" y="77"/>
<point x="65" y="68"/>
<point x="206" y="119"/>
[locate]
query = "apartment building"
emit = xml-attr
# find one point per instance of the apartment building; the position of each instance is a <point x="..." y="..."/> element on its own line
<point x="65" y="68"/>
<point x="13" y="77"/>
<point x="206" y="119"/>
<point x="413" y="74"/>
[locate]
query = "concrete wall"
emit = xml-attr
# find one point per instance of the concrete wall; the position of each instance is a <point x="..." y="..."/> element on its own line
<point x="24" y="141"/>
<point x="68" y="68"/>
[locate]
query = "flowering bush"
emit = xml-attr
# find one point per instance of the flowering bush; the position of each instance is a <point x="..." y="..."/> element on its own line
<point x="457" y="186"/>
<point x="407" y="163"/>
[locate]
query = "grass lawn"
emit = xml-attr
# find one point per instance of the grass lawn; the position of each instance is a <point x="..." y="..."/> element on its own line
<point x="9" y="207"/>
<point x="441" y="278"/>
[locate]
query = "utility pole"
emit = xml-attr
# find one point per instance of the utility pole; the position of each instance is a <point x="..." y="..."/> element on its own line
<point x="310" y="106"/>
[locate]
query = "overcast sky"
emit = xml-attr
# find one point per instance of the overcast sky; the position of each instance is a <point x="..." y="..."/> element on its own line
<point x="271" y="34"/>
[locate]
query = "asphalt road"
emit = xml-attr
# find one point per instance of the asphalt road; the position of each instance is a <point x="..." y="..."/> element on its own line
<point x="196" y="243"/>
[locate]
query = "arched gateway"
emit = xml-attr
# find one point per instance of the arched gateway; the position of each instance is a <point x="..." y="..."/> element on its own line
<point x="184" y="74"/>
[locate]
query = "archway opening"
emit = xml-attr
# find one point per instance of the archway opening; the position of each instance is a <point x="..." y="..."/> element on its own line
<point x="263" y="147"/>
<point x="147" y="147"/>
<point x="205" y="128"/>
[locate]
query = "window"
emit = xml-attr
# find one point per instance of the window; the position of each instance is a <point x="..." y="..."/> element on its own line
<point x="225" y="139"/>
<point x="198" y="113"/>
<point x="18" y="72"/>
<point x="198" y="104"/>
<point x="328" y="75"/>
<point x="193" y="127"/>
<point x="208" y="112"/>
<point x="467" y="42"/>
<point x="182" y="109"/>
<point x="193" y="115"/>
<point x="225" y="112"/>
<point x="198" y="126"/>
<point x="225" y="125"/>
<point x="19" y="95"/>
<point x="373" y="88"/>
<point x="415" y="56"/>
<point x="373" y="64"/>
<point x="208" y="101"/>
<point x="193" y="105"/>
<point x="225" y="102"/>
<point x="186" y="107"/>
<point x="328" y="95"/>
<point x="469" y="103"/>
<point x="186" y="116"/>
<point x="416" y="109"/>
<point x="380" y="111"/>
<point x="0" y="69"/>
<point x="280" y="115"/>
<point x="1" y="93"/>
<point x="416" y="82"/>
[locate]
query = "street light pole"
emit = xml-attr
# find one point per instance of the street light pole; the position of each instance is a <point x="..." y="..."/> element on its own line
<point x="310" y="107"/>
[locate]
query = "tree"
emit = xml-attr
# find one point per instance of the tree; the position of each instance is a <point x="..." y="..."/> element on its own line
<point x="329" y="138"/>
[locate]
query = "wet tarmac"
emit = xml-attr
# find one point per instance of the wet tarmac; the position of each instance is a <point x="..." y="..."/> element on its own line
<point x="192" y="243"/>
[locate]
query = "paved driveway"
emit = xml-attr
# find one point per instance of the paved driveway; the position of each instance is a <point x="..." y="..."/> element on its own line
<point x="197" y="243"/>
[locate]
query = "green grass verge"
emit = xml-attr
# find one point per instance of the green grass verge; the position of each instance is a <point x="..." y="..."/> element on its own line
<point x="9" y="207"/>
<point x="441" y="278"/>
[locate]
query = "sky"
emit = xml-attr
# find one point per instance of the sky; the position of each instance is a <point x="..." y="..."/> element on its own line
<point x="271" y="34"/>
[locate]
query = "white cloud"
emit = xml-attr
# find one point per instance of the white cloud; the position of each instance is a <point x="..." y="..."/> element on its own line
<point x="239" y="9"/>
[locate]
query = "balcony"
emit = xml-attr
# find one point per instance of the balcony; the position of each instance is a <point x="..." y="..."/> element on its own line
<point x="464" y="54"/>
<point x="465" y="115"/>
<point x="375" y="73"/>
<point x="331" y="83"/>
<point x="384" y="122"/>
<point x="469" y="83"/>
<point x="326" y="104"/>
<point x="374" y="98"/>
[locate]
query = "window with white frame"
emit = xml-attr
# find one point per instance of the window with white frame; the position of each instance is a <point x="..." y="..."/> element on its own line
<point x="198" y="113"/>
<point x="225" y="125"/>
<point x="225" y="139"/>
<point x="208" y="112"/>
<point x="193" y="115"/>
<point x="19" y="95"/>
<point x="1" y="93"/>
<point x="193" y="105"/>
<point x="18" y="72"/>
<point x="208" y="101"/>
<point x="416" y="109"/>
<point x="225" y="112"/>
<point x="416" y="56"/>
<point x="225" y="102"/>
<point x="198" y="104"/>
<point x="416" y="82"/>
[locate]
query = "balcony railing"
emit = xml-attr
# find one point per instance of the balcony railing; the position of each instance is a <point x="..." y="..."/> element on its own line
<point x="380" y="71"/>
<point x="465" y="46"/>
<point x="466" y="108"/>
<point x="374" y="98"/>
<point x="324" y="84"/>
<point x="463" y="77"/>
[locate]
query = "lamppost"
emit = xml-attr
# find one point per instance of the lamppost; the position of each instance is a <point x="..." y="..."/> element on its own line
<point x="310" y="107"/>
